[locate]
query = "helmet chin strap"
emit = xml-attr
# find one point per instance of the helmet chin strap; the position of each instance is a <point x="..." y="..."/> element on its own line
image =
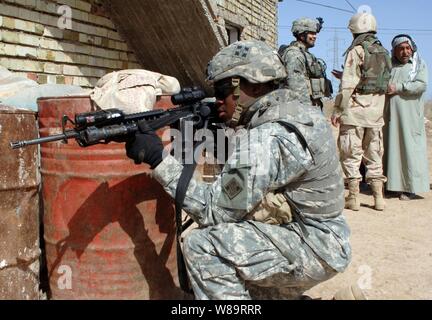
<point x="239" y="108"/>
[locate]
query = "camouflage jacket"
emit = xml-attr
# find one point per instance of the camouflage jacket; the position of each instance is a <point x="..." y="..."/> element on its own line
<point x="266" y="158"/>
<point x="298" y="81"/>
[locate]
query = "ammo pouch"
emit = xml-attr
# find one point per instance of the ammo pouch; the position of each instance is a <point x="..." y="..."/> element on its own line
<point x="274" y="209"/>
<point x="318" y="88"/>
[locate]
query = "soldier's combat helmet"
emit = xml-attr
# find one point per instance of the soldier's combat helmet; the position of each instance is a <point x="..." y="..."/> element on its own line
<point x="303" y="25"/>
<point x="362" y="22"/>
<point x="252" y="60"/>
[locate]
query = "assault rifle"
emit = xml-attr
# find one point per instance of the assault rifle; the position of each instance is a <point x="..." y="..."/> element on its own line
<point x="105" y="126"/>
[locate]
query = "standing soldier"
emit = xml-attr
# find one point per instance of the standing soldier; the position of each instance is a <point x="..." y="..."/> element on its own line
<point x="306" y="74"/>
<point x="359" y="109"/>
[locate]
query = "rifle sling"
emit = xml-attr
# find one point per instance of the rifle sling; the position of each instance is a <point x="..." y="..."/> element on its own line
<point x="182" y="186"/>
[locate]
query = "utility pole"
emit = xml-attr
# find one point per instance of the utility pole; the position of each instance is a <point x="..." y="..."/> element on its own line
<point x="336" y="51"/>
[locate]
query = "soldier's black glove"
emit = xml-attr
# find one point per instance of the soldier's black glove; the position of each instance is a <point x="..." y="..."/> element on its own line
<point x="145" y="147"/>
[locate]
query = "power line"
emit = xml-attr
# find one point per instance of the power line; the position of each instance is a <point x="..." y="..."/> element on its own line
<point x="350" y="5"/>
<point x="385" y="29"/>
<point x="323" y="5"/>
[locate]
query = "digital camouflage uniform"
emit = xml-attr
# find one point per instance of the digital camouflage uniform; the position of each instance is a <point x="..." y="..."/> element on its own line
<point x="286" y="148"/>
<point x="305" y="73"/>
<point x="298" y="62"/>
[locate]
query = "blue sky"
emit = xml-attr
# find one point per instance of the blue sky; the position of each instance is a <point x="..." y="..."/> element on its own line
<point x="394" y="17"/>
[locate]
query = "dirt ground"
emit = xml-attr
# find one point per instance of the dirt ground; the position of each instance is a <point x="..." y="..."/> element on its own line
<point x="392" y="250"/>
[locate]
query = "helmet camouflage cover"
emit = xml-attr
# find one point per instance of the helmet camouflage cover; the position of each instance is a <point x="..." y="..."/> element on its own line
<point x="252" y="60"/>
<point x="306" y="25"/>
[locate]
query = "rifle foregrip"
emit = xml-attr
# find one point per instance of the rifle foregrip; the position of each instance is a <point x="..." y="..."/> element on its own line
<point x="95" y="135"/>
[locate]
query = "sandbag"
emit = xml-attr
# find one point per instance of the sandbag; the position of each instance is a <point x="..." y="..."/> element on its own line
<point x="133" y="90"/>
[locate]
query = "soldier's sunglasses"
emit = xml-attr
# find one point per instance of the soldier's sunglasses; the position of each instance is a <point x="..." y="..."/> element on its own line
<point x="223" y="90"/>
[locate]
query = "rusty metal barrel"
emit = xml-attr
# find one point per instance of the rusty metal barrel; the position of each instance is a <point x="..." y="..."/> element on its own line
<point x="19" y="207"/>
<point x="109" y="227"/>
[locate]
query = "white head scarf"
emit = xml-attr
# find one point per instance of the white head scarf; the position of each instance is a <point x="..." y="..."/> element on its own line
<point x="415" y="58"/>
<point x="398" y="40"/>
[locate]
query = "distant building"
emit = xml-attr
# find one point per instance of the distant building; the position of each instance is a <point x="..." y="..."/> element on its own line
<point x="79" y="41"/>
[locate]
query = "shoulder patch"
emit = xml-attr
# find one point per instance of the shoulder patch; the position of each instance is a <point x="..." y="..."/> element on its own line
<point x="232" y="188"/>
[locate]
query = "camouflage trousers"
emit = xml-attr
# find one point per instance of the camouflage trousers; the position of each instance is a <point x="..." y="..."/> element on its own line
<point x="237" y="261"/>
<point x="357" y="144"/>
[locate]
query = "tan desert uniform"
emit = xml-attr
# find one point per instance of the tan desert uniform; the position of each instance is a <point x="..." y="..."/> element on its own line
<point x="360" y="108"/>
<point x="361" y="123"/>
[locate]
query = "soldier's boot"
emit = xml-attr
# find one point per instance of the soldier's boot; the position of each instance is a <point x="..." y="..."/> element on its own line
<point x="352" y="202"/>
<point x="377" y="190"/>
<point x="353" y="292"/>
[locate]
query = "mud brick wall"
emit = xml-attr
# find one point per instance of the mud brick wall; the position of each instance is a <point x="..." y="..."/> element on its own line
<point x="258" y="19"/>
<point x="35" y="41"/>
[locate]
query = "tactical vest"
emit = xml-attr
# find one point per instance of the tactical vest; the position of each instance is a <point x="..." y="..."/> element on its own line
<point x="376" y="70"/>
<point x="319" y="84"/>
<point x="319" y="193"/>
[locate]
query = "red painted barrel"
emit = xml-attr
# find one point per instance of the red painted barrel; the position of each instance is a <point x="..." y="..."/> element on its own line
<point x="19" y="207"/>
<point x="109" y="227"/>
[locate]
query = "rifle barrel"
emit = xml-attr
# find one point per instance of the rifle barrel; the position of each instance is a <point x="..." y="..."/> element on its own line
<point x="64" y="136"/>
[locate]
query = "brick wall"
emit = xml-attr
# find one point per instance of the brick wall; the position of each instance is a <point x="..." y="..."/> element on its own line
<point x="33" y="44"/>
<point x="257" y="18"/>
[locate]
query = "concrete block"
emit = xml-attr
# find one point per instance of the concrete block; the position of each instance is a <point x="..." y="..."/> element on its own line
<point x="98" y="41"/>
<point x="82" y="59"/>
<point x="105" y="42"/>
<point x="53" y="32"/>
<point x="52" y="79"/>
<point x="70" y="3"/>
<point x="71" y="35"/>
<point x="68" y="57"/>
<point x="52" y="68"/>
<point x="60" y="79"/>
<point x="83" y="5"/>
<point x="31" y="65"/>
<point x="49" y="44"/>
<point x="68" y="80"/>
<point x="10" y="36"/>
<point x="26" y="52"/>
<point x="71" y="70"/>
<point x="28" y="39"/>
<point x="59" y="56"/>
<point x="8" y="49"/>
<point x="8" y="10"/>
<point x="9" y="23"/>
<point x="42" y="79"/>
<point x="69" y="47"/>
